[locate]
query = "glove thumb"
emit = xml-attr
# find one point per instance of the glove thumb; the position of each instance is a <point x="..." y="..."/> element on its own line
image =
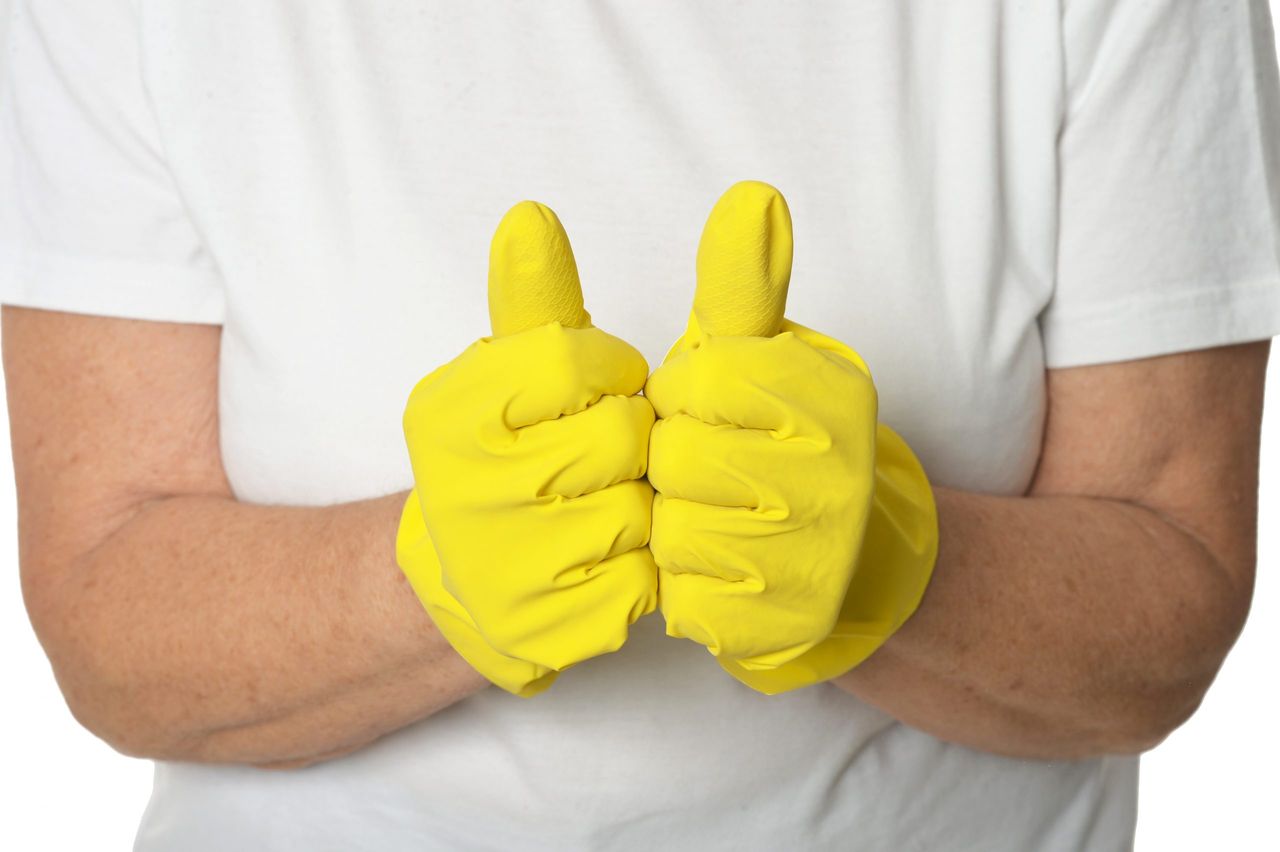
<point x="744" y="263"/>
<point x="533" y="278"/>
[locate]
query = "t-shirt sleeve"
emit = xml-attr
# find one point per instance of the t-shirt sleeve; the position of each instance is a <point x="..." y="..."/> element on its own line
<point x="91" y="220"/>
<point x="1169" y="180"/>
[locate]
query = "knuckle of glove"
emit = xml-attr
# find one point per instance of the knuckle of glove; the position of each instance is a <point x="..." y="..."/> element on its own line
<point x="584" y="364"/>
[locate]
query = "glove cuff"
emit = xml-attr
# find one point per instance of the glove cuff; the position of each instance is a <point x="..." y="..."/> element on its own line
<point x="895" y="564"/>
<point x="417" y="558"/>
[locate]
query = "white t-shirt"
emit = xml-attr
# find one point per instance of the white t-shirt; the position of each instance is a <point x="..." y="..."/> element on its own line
<point x="981" y="190"/>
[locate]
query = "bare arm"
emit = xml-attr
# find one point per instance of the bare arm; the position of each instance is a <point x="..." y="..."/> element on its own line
<point x="181" y="623"/>
<point x="1090" y="616"/>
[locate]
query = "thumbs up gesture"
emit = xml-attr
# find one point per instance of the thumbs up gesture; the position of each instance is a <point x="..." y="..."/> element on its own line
<point x="525" y="534"/>
<point x="792" y="533"/>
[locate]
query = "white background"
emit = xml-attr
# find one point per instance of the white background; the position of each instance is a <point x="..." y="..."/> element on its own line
<point x="1212" y="785"/>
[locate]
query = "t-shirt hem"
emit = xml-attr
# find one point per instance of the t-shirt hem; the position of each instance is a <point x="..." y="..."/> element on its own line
<point x="110" y="287"/>
<point x="1131" y="329"/>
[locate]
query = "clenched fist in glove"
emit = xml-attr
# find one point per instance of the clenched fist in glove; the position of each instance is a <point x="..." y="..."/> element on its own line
<point x="792" y="533"/>
<point x="525" y="534"/>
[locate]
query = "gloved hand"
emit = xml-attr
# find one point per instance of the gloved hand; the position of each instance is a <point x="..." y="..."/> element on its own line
<point x="792" y="534"/>
<point x="525" y="534"/>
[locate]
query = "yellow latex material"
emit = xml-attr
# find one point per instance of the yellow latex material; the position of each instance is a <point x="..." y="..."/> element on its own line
<point x="792" y="533"/>
<point x="525" y="535"/>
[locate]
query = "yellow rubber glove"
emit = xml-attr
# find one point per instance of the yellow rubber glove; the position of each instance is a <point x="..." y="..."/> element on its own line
<point x="525" y="534"/>
<point x="793" y="535"/>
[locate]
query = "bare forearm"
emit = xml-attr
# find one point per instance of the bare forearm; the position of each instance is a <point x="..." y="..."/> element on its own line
<point x="212" y="630"/>
<point x="1056" y="627"/>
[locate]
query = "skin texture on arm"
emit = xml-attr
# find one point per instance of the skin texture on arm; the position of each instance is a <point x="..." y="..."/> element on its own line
<point x="1090" y="616"/>
<point x="181" y="623"/>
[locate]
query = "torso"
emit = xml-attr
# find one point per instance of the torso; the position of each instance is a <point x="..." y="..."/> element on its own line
<point x="346" y="166"/>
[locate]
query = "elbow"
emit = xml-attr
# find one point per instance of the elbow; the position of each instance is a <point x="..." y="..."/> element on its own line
<point x="127" y="715"/>
<point x="1181" y="669"/>
<point x="1119" y="720"/>
<point x="1150" y="720"/>
<point x="107" y="691"/>
<point x="120" y="710"/>
<point x="97" y="707"/>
